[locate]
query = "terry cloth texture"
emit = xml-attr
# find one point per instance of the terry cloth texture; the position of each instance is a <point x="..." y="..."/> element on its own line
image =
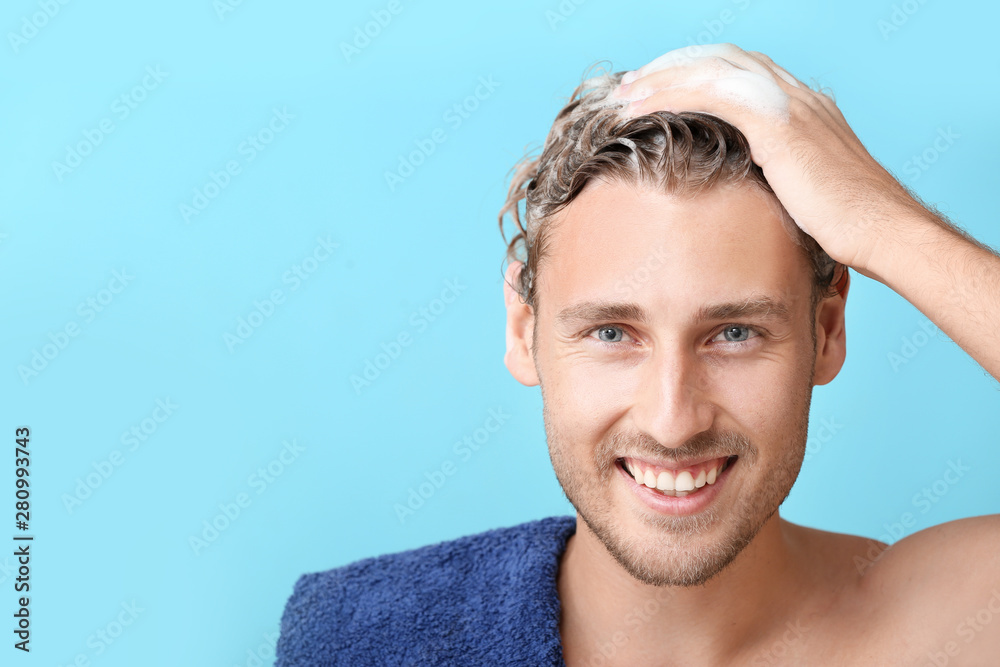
<point x="485" y="599"/>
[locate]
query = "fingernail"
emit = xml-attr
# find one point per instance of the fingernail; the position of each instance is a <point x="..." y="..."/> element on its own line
<point x="628" y="77"/>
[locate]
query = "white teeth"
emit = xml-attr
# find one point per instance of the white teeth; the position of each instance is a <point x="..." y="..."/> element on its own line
<point x="685" y="482"/>
<point x="679" y="486"/>
<point x="639" y="477"/>
<point x="665" y="481"/>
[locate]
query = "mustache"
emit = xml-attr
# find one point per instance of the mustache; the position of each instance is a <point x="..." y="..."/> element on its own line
<point x="707" y="444"/>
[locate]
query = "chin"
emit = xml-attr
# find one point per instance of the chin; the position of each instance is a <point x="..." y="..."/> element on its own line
<point x="662" y="549"/>
<point x="685" y="557"/>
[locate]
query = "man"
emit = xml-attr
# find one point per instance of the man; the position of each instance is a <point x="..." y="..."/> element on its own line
<point x="682" y="291"/>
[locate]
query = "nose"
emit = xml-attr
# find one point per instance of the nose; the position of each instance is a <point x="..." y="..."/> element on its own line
<point x="672" y="402"/>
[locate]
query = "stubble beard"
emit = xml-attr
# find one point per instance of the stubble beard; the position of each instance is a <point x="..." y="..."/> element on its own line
<point x="679" y="550"/>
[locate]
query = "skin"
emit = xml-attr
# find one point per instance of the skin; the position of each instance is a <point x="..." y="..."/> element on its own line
<point x="672" y="383"/>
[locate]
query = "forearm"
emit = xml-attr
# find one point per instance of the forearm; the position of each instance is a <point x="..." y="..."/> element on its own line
<point x="951" y="279"/>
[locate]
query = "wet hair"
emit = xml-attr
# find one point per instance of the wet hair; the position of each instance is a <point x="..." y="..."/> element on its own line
<point x="684" y="153"/>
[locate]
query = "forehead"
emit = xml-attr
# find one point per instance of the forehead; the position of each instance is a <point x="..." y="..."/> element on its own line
<point x="622" y="242"/>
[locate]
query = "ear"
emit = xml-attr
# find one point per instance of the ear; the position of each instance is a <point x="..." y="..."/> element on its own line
<point x="520" y="326"/>
<point x="831" y="336"/>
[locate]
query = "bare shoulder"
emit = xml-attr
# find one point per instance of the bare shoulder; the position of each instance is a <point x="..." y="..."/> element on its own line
<point x="941" y="585"/>
<point x="951" y="568"/>
<point x="962" y="555"/>
<point x="934" y="595"/>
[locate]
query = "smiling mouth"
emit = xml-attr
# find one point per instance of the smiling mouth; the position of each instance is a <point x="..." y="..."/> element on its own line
<point x="676" y="483"/>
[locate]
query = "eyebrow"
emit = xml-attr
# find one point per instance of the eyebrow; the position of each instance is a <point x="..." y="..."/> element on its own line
<point x="763" y="307"/>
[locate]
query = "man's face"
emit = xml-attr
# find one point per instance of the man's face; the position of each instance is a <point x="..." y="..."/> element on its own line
<point x="674" y="335"/>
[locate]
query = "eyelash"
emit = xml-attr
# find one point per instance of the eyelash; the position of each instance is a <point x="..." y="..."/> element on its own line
<point x="759" y="333"/>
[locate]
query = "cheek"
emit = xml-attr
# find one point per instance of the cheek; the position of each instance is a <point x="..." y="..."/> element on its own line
<point x="762" y="394"/>
<point x="590" y="396"/>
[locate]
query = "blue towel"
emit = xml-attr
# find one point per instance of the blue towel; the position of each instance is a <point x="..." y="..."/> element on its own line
<point x="485" y="599"/>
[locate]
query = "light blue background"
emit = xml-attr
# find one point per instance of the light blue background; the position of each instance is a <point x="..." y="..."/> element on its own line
<point x="889" y="431"/>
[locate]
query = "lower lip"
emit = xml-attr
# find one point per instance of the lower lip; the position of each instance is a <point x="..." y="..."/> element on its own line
<point x="689" y="504"/>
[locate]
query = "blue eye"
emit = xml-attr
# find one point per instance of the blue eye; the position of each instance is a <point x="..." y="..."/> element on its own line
<point x="616" y="334"/>
<point x="737" y="333"/>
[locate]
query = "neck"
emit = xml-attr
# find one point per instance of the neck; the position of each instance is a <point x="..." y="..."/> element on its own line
<point x="606" y="612"/>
